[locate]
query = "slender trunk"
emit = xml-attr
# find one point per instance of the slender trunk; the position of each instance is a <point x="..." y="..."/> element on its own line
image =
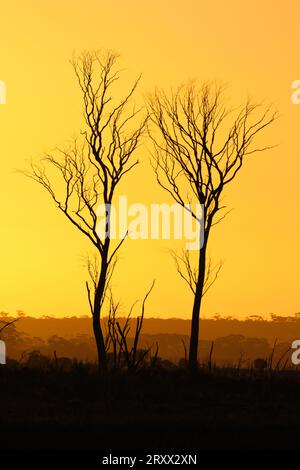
<point x="98" y="300"/>
<point x="194" y="338"/>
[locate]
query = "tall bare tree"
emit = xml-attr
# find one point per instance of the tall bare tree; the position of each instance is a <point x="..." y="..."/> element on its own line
<point x="199" y="147"/>
<point x="87" y="175"/>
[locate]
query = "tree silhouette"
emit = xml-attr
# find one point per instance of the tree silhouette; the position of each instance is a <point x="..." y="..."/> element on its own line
<point x="91" y="170"/>
<point x="199" y="147"/>
<point x="117" y="337"/>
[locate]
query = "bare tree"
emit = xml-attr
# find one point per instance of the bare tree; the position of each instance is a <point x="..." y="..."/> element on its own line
<point x="6" y="324"/>
<point x="92" y="168"/>
<point x="199" y="147"/>
<point x="117" y="336"/>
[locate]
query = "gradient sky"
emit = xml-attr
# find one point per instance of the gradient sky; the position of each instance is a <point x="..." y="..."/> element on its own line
<point x="253" y="47"/>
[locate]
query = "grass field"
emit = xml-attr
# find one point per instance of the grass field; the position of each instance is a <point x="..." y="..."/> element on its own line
<point x="150" y="409"/>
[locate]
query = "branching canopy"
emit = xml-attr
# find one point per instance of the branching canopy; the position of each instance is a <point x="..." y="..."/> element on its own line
<point x="90" y="170"/>
<point x="200" y="144"/>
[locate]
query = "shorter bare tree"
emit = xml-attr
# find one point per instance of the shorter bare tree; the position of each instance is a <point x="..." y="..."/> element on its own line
<point x="200" y="145"/>
<point x="117" y="336"/>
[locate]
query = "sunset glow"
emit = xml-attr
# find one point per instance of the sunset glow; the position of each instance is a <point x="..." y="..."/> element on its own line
<point x="253" y="50"/>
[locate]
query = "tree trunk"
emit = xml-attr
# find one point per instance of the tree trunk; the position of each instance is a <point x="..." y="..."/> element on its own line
<point x="98" y="300"/>
<point x="194" y="338"/>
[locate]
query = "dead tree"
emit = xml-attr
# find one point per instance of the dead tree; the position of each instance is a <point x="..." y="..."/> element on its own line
<point x="117" y="336"/>
<point x="199" y="147"/>
<point x="6" y="324"/>
<point x="91" y="170"/>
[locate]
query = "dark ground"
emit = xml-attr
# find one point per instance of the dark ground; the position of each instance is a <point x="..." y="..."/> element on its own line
<point x="151" y="410"/>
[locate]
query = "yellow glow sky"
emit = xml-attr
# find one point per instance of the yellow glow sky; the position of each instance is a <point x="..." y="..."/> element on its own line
<point x="252" y="46"/>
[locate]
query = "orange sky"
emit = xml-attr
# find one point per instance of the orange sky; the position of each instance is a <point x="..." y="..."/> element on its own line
<point x="253" y="47"/>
